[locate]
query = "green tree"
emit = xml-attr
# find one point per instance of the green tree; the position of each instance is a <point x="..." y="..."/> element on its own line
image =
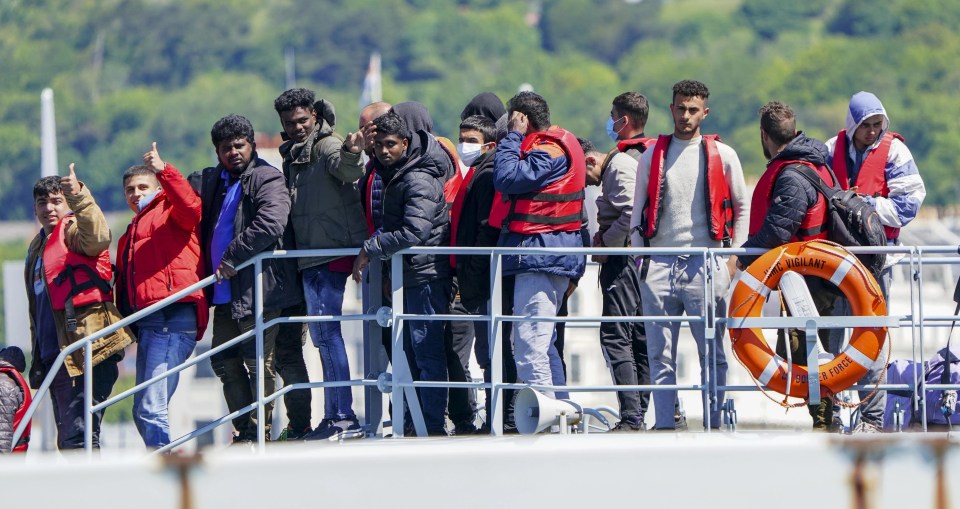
<point x="771" y="17"/>
<point x="604" y="30"/>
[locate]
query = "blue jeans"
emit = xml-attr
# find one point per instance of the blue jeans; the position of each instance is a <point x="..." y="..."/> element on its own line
<point x="157" y="351"/>
<point x="537" y="294"/>
<point x="323" y="291"/>
<point x="424" y="339"/>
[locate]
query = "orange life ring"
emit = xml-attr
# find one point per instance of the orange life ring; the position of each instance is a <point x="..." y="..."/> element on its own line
<point x="813" y="258"/>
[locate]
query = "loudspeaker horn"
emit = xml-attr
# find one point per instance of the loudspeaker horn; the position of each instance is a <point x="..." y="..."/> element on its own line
<point x="535" y="412"/>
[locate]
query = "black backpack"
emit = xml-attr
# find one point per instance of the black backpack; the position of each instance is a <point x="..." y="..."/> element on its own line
<point x="851" y="221"/>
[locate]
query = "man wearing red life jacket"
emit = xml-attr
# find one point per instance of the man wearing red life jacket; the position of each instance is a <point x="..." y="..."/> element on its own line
<point x="14" y="399"/>
<point x="157" y="256"/>
<point x="786" y="207"/>
<point x="624" y="343"/>
<point x="670" y="211"/>
<point x="67" y="278"/>
<point x="539" y="173"/>
<point x="867" y="157"/>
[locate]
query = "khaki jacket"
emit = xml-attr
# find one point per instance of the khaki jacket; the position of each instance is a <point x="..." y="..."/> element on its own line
<point x="87" y="233"/>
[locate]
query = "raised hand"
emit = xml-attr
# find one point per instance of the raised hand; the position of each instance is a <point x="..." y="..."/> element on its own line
<point x="69" y="184"/>
<point x="360" y="140"/>
<point x="518" y="122"/>
<point x="152" y="159"/>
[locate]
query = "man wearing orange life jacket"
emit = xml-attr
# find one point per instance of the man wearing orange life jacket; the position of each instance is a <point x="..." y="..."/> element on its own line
<point x="670" y="212"/>
<point x="786" y="207"/>
<point x="67" y="278"/>
<point x="867" y="157"/>
<point x="539" y="174"/>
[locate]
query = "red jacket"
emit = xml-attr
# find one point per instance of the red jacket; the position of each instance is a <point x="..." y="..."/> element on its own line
<point x="159" y="254"/>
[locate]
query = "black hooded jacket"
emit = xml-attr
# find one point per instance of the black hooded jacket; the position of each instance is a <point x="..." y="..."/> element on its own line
<point x="474" y="230"/>
<point x="414" y="210"/>
<point x="791" y="198"/>
<point x="485" y="104"/>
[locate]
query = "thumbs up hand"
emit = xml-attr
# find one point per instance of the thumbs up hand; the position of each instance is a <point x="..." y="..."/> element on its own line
<point x="152" y="159"/>
<point x="69" y="184"/>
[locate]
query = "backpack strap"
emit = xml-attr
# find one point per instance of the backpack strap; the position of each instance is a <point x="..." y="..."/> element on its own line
<point x="808" y="174"/>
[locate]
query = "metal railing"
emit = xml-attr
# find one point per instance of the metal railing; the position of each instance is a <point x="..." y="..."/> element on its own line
<point x="402" y="387"/>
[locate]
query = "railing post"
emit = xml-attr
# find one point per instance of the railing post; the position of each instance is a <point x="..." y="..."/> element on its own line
<point x="88" y="399"/>
<point x="813" y="364"/>
<point x="258" y="325"/>
<point x="707" y="392"/>
<point x="495" y="338"/>
<point x="374" y="356"/>
<point x="401" y="369"/>
<point x="917" y="329"/>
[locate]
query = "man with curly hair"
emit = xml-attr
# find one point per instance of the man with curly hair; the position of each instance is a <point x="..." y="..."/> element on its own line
<point x="245" y="207"/>
<point x="321" y="170"/>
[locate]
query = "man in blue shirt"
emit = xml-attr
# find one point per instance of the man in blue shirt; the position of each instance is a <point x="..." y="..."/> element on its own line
<point x="245" y="210"/>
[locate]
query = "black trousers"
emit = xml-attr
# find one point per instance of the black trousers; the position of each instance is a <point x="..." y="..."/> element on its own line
<point x="292" y="369"/>
<point x="66" y="393"/>
<point x="625" y="343"/>
<point x="458" y="343"/>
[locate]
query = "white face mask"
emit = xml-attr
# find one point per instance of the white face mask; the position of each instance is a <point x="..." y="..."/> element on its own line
<point x="469" y="152"/>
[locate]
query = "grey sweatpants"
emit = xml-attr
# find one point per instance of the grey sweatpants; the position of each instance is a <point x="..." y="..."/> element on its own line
<point x="673" y="286"/>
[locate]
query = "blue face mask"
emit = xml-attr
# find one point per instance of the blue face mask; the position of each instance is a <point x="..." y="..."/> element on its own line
<point x="146" y="199"/>
<point x="614" y="135"/>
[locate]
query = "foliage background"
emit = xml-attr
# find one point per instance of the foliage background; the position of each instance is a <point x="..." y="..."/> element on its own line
<point x="128" y="72"/>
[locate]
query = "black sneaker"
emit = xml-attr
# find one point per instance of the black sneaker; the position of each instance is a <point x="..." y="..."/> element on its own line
<point x="344" y="428"/>
<point x="289" y="434"/>
<point x="628" y="427"/>
<point x="464" y="428"/>
<point x="244" y="440"/>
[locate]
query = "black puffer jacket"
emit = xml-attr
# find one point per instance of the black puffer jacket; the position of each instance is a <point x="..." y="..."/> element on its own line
<point x="414" y="210"/>
<point x="259" y="225"/>
<point x="791" y="198"/>
<point x="11" y="395"/>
